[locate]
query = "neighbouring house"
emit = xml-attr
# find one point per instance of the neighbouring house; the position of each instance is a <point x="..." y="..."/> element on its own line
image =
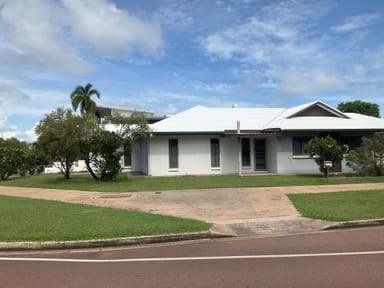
<point x="102" y="112"/>
<point x="205" y="140"/>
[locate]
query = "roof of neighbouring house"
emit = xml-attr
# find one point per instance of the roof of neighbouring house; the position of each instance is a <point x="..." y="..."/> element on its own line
<point x="103" y="111"/>
<point x="310" y="116"/>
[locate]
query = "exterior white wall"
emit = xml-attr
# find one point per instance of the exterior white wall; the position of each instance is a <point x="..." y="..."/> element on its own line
<point x="229" y="156"/>
<point x="271" y="154"/>
<point x="195" y="158"/>
<point x="345" y="168"/>
<point x="289" y="164"/>
<point x="78" y="166"/>
<point x="194" y="155"/>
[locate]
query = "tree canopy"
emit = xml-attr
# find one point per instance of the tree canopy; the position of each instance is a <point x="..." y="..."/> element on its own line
<point x="19" y="157"/>
<point x="360" y="107"/>
<point x="107" y="147"/>
<point x="82" y="96"/>
<point x="59" y="135"/>
<point x="368" y="159"/>
<point x="325" y="149"/>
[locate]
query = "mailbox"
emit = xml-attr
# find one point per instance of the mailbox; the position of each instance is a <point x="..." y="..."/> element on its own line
<point x="328" y="164"/>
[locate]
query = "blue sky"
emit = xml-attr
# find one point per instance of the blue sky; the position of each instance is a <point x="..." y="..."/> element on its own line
<point x="169" y="55"/>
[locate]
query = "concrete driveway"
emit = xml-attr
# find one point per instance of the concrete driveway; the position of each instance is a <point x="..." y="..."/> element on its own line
<point x="232" y="210"/>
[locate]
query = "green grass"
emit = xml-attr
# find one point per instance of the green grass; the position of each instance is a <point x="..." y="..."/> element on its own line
<point x="341" y="206"/>
<point x="125" y="184"/>
<point x="41" y="220"/>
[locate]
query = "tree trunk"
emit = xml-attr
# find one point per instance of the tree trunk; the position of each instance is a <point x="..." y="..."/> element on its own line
<point x="90" y="170"/>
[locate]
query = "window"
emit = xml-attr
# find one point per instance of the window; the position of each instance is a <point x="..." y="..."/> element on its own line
<point x="127" y="157"/>
<point x="173" y="150"/>
<point x="246" y="152"/>
<point x="127" y="160"/>
<point x="352" y="142"/>
<point x="298" y="145"/>
<point x="215" y="152"/>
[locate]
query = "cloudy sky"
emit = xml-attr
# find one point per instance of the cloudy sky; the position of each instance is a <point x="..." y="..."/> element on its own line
<point x="169" y="55"/>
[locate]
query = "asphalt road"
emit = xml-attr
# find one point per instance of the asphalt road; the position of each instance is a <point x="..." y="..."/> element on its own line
<point x="343" y="258"/>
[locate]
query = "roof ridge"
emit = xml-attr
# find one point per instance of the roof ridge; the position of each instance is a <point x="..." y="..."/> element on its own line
<point x="277" y="118"/>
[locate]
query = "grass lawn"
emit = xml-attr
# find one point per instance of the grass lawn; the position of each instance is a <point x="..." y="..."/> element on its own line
<point x="125" y="184"/>
<point x="341" y="206"/>
<point x="41" y="220"/>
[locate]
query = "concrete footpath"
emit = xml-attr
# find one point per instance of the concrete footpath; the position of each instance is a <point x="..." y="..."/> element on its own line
<point x="259" y="211"/>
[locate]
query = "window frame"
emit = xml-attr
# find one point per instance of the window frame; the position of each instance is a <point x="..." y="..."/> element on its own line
<point x="246" y="153"/>
<point x="173" y="154"/>
<point x="126" y="160"/>
<point x="215" y="153"/>
<point x="299" y="142"/>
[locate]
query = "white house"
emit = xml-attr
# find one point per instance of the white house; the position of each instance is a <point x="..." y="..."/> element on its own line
<point x="204" y="140"/>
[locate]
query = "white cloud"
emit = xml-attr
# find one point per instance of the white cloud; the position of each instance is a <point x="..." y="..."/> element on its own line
<point x="47" y="35"/>
<point x="17" y="100"/>
<point x="272" y="33"/>
<point x="171" y="109"/>
<point x="173" y="14"/>
<point x="110" y="30"/>
<point x="213" y="87"/>
<point x="159" y="101"/>
<point x="28" y="103"/>
<point x="359" y="71"/>
<point x="353" y="23"/>
<point x="299" y="83"/>
<point x="10" y="131"/>
<point x="10" y="94"/>
<point x="40" y="32"/>
<point x="283" y="41"/>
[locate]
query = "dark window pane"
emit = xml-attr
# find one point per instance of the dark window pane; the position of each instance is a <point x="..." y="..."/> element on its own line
<point x="260" y="155"/>
<point x="173" y="146"/>
<point x="298" y="144"/>
<point x="215" y="153"/>
<point x="127" y="156"/>
<point x="246" y="152"/>
<point x="127" y="160"/>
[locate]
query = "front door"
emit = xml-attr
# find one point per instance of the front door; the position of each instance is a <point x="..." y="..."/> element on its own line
<point x="260" y="154"/>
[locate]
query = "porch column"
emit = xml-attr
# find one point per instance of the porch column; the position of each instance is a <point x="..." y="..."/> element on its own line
<point x="239" y="154"/>
<point x="238" y="147"/>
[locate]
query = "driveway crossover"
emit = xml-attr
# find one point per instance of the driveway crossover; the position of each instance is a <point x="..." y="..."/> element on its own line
<point x="261" y="210"/>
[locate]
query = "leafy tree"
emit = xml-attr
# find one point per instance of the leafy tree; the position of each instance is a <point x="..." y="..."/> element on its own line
<point x="107" y="147"/>
<point x="325" y="149"/>
<point x="15" y="157"/>
<point x="368" y="159"/>
<point x="106" y="154"/>
<point x="133" y="129"/>
<point x="58" y="137"/>
<point x="13" y="142"/>
<point x="360" y="107"/>
<point x="82" y="96"/>
<point x="90" y="133"/>
<point x="35" y="160"/>
<point x="10" y="159"/>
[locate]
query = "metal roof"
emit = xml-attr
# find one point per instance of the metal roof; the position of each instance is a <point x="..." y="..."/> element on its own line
<point x="204" y="120"/>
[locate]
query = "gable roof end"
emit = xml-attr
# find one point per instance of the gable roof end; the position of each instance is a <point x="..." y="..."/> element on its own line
<point x="317" y="108"/>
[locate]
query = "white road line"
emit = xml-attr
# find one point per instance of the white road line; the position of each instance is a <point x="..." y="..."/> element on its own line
<point x="240" y="257"/>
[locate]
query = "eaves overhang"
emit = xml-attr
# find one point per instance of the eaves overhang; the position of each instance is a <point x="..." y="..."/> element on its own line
<point x="334" y="130"/>
<point x="187" y="133"/>
<point x="227" y="133"/>
<point x="252" y="133"/>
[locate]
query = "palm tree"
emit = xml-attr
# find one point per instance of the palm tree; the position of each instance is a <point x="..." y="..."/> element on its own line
<point x="82" y="96"/>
